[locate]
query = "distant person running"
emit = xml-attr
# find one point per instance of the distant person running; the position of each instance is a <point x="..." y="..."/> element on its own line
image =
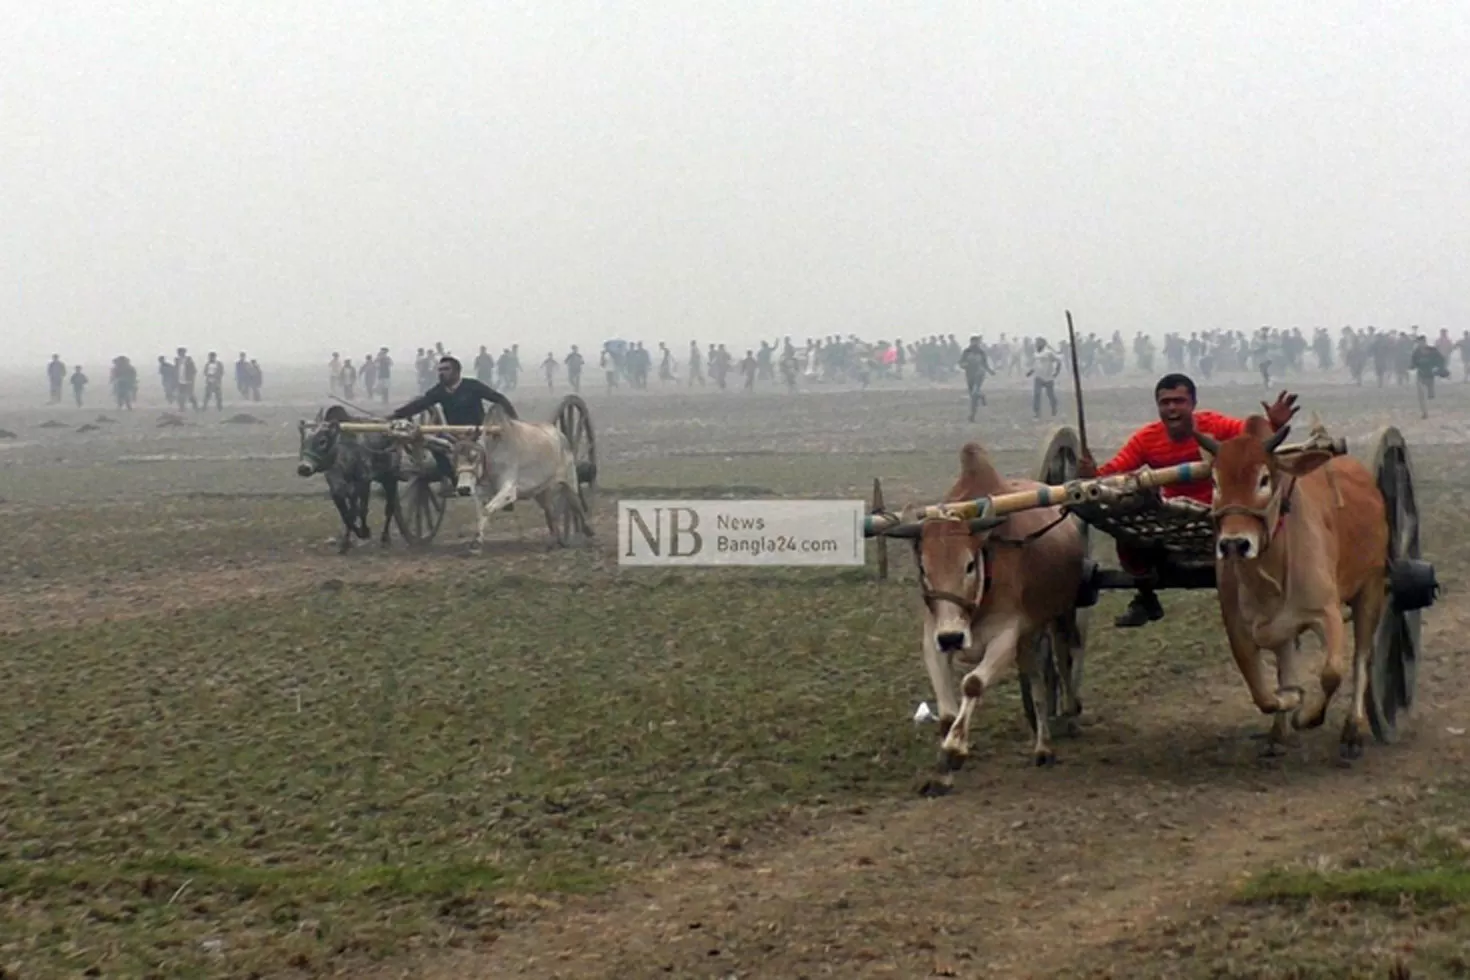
<point x="1428" y="363"/>
<point x="976" y="364"/>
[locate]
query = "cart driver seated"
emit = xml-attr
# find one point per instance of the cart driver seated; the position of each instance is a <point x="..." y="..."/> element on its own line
<point x="463" y="403"/>
<point x="1170" y="442"/>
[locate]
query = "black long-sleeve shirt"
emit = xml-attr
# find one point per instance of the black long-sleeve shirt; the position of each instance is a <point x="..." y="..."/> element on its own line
<point x="465" y="405"/>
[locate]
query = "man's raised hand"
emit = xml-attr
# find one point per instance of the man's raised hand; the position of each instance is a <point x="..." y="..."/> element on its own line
<point x="1281" y="412"/>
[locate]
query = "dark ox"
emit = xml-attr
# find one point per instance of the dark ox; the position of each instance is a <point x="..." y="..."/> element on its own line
<point x="352" y="463"/>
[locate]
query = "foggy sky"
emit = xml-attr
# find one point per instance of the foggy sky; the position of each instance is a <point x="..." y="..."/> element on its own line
<point x="290" y="179"/>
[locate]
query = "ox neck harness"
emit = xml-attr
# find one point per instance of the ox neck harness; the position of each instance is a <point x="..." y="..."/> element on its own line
<point x="972" y="606"/>
<point x="1272" y="516"/>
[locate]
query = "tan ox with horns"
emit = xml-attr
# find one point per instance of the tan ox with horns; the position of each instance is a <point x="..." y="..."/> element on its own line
<point x="1297" y="538"/>
<point x="994" y="592"/>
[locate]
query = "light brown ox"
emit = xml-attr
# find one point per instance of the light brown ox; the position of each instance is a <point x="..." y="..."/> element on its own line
<point x="1297" y="538"/>
<point x="995" y="592"/>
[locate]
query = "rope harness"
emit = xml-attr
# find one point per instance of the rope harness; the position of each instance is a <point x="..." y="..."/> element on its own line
<point x="1272" y="516"/>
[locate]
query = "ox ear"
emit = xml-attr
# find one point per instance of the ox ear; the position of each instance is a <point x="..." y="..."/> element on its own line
<point x="1300" y="464"/>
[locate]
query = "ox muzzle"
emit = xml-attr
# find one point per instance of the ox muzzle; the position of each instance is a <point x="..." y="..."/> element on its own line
<point x="304" y="468"/>
<point x="952" y="641"/>
<point x="1237" y="547"/>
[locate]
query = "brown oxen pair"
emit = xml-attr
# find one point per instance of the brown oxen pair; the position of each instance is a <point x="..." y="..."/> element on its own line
<point x="1297" y="538"/>
<point x="993" y="593"/>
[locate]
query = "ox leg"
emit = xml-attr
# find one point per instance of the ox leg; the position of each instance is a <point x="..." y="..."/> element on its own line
<point x="1035" y="670"/>
<point x="1291" y="697"/>
<point x="574" y="501"/>
<point x="482" y="517"/>
<point x="390" y="507"/>
<point x="506" y="494"/>
<point x="1368" y="608"/>
<point x="1250" y="663"/>
<point x="1332" y="635"/>
<point x="999" y="655"/>
<point x="1070" y="649"/>
<point x="543" y="500"/>
<point x="364" y="500"/>
<point x="344" y="510"/>
<point x="941" y="679"/>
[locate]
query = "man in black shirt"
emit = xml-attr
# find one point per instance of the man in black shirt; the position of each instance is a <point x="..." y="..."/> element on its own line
<point x="463" y="401"/>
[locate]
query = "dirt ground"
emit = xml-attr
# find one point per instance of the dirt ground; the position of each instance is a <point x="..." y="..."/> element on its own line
<point x="775" y="833"/>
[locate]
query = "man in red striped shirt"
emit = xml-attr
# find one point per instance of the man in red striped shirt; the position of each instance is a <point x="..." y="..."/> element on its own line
<point x="1170" y="442"/>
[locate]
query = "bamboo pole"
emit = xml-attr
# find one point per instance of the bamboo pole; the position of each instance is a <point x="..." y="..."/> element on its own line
<point x="1104" y="488"/>
<point x="430" y="430"/>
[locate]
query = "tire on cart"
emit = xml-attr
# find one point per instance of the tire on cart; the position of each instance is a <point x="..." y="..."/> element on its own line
<point x="1393" y="673"/>
<point x="1057" y="464"/>
<point x="420" y="504"/>
<point x="575" y="422"/>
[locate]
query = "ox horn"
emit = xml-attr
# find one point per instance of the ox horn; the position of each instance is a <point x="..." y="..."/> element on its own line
<point x="1208" y="443"/>
<point x="1277" y="438"/>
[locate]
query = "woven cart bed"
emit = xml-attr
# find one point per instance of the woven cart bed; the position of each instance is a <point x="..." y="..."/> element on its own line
<point x="1142" y="520"/>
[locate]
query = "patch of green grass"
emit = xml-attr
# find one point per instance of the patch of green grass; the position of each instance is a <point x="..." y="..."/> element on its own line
<point x="1410" y="850"/>
<point x="1426" y="887"/>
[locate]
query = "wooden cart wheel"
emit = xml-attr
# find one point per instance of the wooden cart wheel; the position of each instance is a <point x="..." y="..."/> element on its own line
<point x="1393" y="673"/>
<point x="420" y="505"/>
<point x="1056" y="464"/>
<point x="575" y="422"/>
<point x="420" y="509"/>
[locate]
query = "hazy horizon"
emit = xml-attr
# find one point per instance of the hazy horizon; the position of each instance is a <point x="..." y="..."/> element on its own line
<point x="291" y="180"/>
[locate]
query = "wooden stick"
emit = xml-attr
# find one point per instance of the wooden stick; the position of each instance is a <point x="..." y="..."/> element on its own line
<point x="882" y="542"/>
<point x="1077" y="384"/>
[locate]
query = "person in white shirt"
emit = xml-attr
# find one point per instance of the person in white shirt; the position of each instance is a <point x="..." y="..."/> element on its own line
<point x="214" y="381"/>
<point x="1045" y="368"/>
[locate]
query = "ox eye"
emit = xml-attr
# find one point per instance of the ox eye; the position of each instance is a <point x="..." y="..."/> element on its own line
<point x="1264" y="483"/>
<point x="970" y="567"/>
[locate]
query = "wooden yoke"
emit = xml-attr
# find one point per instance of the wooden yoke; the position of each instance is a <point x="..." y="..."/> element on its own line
<point x="984" y="512"/>
<point x="431" y="430"/>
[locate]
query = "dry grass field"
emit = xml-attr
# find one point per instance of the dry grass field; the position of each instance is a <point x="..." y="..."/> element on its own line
<point x="225" y="751"/>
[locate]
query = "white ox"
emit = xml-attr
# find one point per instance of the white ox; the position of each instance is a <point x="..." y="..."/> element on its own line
<point x="519" y="460"/>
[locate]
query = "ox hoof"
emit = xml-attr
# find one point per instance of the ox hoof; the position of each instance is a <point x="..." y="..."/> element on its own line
<point x="951" y="760"/>
<point x="1271" y="750"/>
<point x="1067" y="726"/>
<point x="1044" y="759"/>
<point x="1302" y="721"/>
<point x="936" y="786"/>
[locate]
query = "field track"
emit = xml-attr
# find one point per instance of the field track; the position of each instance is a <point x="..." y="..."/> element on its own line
<point x="225" y="750"/>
